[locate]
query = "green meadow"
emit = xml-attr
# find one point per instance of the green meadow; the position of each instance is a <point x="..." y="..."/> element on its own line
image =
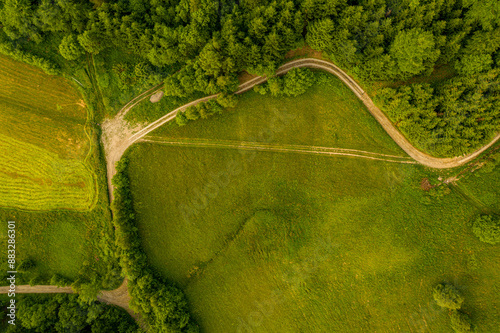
<point x="51" y="177"/>
<point x="44" y="142"/>
<point x="265" y="241"/>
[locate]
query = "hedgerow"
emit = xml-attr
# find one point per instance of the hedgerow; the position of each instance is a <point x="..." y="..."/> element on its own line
<point x="162" y="305"/>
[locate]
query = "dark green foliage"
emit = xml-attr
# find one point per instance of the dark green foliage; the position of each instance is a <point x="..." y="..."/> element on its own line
<point x="413" y="52"/>
<point x="65" y="313"/>
<point x="7" y="48"/>
<point x="447" y="296"/>
<point x="26" y="265"/>
<point x="487" y="228"/>
<point x="460" y="322"/>
<point x="227" y="101"/>
<point x="70" y="49"/>
<point x="297" y="81"/>
<point x="204" y="109"/>
<point x="181" y="119"/>
<point x="162" y="305"/>
<point x="450" y="119"/>
<point x="294" y="83"/>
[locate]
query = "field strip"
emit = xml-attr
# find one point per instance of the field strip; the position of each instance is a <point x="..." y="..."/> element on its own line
<point x="282" y="148"/>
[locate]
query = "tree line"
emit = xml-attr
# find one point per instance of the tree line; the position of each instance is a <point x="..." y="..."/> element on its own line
<point x="66" y="313"/>
<point x="162" y="305"/>
<point x="204" y="45"/>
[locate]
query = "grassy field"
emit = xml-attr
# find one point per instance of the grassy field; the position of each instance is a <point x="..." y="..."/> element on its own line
<point x="328" y="115"/>
<point x="285" y="242"/>
<point x="52" y="181"/>
<point x="43" y="122"/>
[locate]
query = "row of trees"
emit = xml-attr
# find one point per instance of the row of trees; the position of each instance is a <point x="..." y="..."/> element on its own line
<point x="162" y="305"/>
<point x="65" y="313"/>
<point x="448" y="297"/>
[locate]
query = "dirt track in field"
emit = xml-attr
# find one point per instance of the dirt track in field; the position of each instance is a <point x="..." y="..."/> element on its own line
<point x="118" y="135"/>
<point x="259" y="146"/>
<point x="116" y="143"/>
<point x="118" y="296"/>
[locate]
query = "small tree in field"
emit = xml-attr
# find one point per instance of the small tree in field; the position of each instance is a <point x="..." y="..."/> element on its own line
<point x="460" y="322"/>
<point x="487" y="229"/>
<point x="447" y="296"/>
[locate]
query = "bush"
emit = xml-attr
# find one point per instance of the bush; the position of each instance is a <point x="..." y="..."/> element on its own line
<point x="460" y="322"/>
<point x="447" y="296"/>
<point x="70" y="49"/>
<point x="181" y="119"/>
<point x="227" y="101"/>
<point x="192" y="113"/>
<point x="487" y="228"/>
<point x="297" y="81"/>
<point x="26" y="265"/>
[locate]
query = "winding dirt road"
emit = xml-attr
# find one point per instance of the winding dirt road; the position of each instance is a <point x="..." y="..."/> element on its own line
<point x="115" y="145"/>
<point x="118" y="136"/>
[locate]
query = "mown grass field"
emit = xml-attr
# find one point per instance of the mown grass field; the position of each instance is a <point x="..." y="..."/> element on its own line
<point x="284" y="242"/>
<point x="43" y="142"/>
<point x="52" y="182"/>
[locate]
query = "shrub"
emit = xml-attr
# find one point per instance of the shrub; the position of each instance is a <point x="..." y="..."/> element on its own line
<point x="260" y="89"/>
<point x="447" y="296"/>
<point x="274" y="85"/>
<point x="487" y="229"/>
<point x="26" y="265"/>
<point x="227" y="101"/>
<point x="297" y="81"/>
<point x="70" y="49"/>
<point x="181" y="119"/>
<point x="460" y="322"/>
<point x="192" y="113"/>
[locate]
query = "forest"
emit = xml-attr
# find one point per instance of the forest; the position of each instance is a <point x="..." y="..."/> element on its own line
<point x="65" y="313"/>
<point x="201" y="46"/>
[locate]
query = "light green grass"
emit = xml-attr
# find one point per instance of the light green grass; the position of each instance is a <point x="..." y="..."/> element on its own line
<point x="286" y="242"/>
<point x="350" y="244"/>
<point x="328" y="115"/>
<point x="43" y="142"/>
<point x="52" y="182"/>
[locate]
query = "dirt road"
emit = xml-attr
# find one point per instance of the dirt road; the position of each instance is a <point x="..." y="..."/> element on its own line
<point x="115" y="146"/>
<point x="118" y="296"/>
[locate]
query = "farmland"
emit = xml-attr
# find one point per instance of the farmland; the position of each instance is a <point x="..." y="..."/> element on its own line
<point x="51" y="178"/>
<point x="285" y="242"/>
<point x="44" y="122"/>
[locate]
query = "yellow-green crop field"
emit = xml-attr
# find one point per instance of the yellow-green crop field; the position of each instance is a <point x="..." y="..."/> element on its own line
<point x="44" y="142"/>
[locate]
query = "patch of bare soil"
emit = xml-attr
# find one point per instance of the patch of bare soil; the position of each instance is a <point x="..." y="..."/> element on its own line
<point x="425" y="184"/>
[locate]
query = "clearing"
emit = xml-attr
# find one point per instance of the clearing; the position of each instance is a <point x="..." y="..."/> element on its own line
<point x="265" y="241"/>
